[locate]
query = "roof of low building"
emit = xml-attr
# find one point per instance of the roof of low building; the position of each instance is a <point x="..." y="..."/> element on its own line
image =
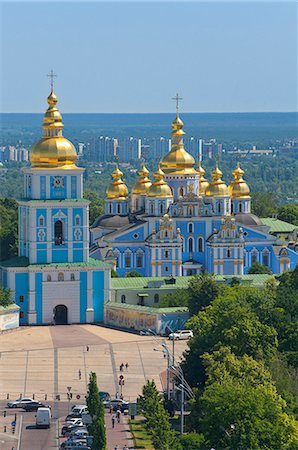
<point x="278" y="226"/>
<point x="23" y="261"/>
<point x="148" y="309"/>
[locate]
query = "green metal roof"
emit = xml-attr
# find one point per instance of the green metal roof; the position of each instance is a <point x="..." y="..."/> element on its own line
<point x="147" y="308"/>
<point x="278" y="226"/>
<point x="21" y="261"/>
<point x="138" y="283"/>
<point x="67" y="200"/>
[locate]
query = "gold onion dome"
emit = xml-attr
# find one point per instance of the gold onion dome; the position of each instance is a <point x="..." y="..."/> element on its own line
<point x="53" y="150"/>
<point x="204" y="184"/>
<point x="217" y="188"/>
<point x="159" y="189"/>
<point x="239" y="188"/>
<point x="143" y="183"/>
<point x="117" y="189"/>
<point x="178" y="160"/>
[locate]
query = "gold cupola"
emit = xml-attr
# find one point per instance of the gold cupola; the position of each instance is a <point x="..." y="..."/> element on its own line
<point x="53" y="150"/>
<point x="178" y="160"/>
<point x="143" y="183"/>
<point x="159" y="189"/>
<point x="117" y="189"/>
<point x="217" y="187"/>
<point x="239" y="188"/>
<point x="204" y="184"/>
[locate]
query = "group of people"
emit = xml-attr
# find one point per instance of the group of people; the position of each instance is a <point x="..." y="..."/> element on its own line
<point x="122" y="367"/>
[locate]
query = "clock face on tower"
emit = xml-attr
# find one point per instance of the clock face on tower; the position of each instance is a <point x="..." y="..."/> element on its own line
<point x="58" y="182"/>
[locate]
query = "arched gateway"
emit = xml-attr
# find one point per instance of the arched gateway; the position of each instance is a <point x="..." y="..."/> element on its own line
<point x="60" y="315"/>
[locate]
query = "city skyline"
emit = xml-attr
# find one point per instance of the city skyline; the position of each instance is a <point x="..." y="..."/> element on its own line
<point x="134" y="57"/>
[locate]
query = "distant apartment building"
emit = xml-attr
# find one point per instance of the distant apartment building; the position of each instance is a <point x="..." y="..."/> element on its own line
<point x="11" y="153"/>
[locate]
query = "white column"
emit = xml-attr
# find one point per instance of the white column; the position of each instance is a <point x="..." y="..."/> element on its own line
<point x="32" y="298"/>
<point x="69" y="234"/>
<point x="89" y="310"/>
<point x="32" y="234"/>
<point x="49" y="235"/>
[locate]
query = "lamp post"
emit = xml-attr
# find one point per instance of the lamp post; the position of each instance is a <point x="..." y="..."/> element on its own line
<point x="166" y="351"/>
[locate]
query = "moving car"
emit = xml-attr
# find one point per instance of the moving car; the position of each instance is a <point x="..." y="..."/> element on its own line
<point x="79" y="409"/>
<point x="43" y="418"/>
<point x="104" y="395"/>
<point x="33" y="406"/>
<point x="117" y="403"/>
<point x="181" y="334"/>
<point x="19" y="402"/>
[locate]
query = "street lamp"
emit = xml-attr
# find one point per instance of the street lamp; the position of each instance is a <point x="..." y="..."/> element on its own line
<point x="166" y="351"/>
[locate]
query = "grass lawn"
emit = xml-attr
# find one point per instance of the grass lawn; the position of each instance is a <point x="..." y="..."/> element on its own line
<point x="140" y="434"/>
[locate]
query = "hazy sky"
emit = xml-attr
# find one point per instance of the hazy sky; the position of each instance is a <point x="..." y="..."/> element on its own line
<point x="135" y="56"/>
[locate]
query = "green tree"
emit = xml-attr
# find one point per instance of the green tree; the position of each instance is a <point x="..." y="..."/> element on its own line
<point x="114" y="274"/>
<point x="178" y="298"/>
<point x="202" y="289"/>
<point x="5" y="297"/>
<point x="256" y="267"/>
<point x="96" y="206"/>
<point x="8" y="228"/>
<point x="96" y="410"/>
<point x="263" y="204"/>
<point x="132" y="274"/>
<point x="193" y="441"/>
<point x="289" y="213"/>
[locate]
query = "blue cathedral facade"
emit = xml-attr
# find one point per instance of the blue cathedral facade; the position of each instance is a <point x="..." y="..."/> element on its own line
<point x="53" y="279"/>
<point x="181" y="224"/>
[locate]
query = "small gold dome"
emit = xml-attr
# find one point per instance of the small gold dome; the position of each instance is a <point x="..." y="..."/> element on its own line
<point x="239" y="188"/>
<point x="159" y="189"/>
<point x="117" y="189"/>
<point x="178" y="160"/>
<point x="204" y="184"/>
<point x="53" y="150"/>
<point x="143" y="183"/>
<point x="217" y="188"/>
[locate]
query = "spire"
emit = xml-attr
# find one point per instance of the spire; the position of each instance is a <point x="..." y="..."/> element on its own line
<point x="239" y="187"/>
<point x="117" y="189"/>
<point x="217" y="187"/>
<point x="204" y="184"/>
<point x="143" y="183"/>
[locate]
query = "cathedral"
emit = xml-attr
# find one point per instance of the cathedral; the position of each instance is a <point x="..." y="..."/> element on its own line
<point x="181" y="224"/>
<point x="53" y="280"/>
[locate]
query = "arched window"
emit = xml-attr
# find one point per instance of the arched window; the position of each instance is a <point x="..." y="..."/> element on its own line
<point x="166" y="234"/>
<point x="219" y="207"/>
<point x="127" y="259"/>
<point x="117" y="256"/>
<point x="166" y="253"/>
<point x="41" y="221"/>
<point x="156" y="298"/>
<point x="190" y="211"/>
<point x="190" y="244"/>
<point x="49" y="278"/>
<point x="228" y="253"/>
<point x="139" y="259"/>
<point x="232" y="207"/>
<point x="190" y="228"/>
<point x="72" y="277"/>
<point x="152" y="208"/>
<point x="181" y="192"/>
<point x="266" y="257"/>
<point x="200" y="244"/>
<point x="58" y="230"/>
<point x="123" y="298"/>
<point x="118" y="208"/>
<point x="78" y="220"/>
<point x="240" y="207"/>
<point x="110" y="208"/>
<point x="254" y="256"/>
<point x="60" y="276"/>
<point x="161" y="208"/>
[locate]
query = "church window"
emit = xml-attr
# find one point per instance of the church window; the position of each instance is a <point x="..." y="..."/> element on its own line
<point x="117" y="256"/>
<point x="266" y="258"/>
<point x="161" y="208"/>
<point x="190" y="211"/>
<point x="118" y="208"/>
<point x="123" y="298"/>
<point x="58" y="232"/>
<point x="190" y="227"/>
<point x="200" y="245"/>
<point x="136" y="236"/>
<point x="72" y="277"/>
<point x="175" y="212"/>
<point x="60" y="276"/>
<point x="151" y="208"/>
<point x="21" y="315"/>
<point x="21" y="298"/>
<point x="78" y="220"/>
<point x="219" y="208"/>
<point x="139" y="259"/>
<point x="190" y="244"/>
<point x="41" y="221"/>
<point x="166" y="234"/>
<point x="240" y="207"/>
<point x="181" y="192"/>
<point x="228" y="253"/>
<point x="49" y="278"/>
<point x="232" y="207"/>
<point x="156" y="298"/>
<point x="254" y="256"/>
<point x="166" y="253"/>
<point x="127" y="259"/>
<point x="167" y="269"/>
<point x="110" y="208"/>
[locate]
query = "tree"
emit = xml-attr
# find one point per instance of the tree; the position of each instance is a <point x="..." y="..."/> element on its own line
<point x="5" y="297"/>
<point x="202" y="290"/>
<point x="132" y="274"/>
<point x="193" y="441"/>
<point x="114" y="274"/>
<point x="256" y="267"/>
<point x="96" y="411"/>
<point x="8" y="228"/>
<point x="289" y="213"/>
<point x="178" y="298"/>
<point x="263" y="204"/>
<point x="96" y="206"/>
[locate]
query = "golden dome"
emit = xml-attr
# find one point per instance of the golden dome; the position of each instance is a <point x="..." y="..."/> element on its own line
<point x="204" y="184"/>
<point x="239" y="188"/>
<point x="143" y="183"/>
<point x="53" y="150"/>
<point x="159" y="189"/>
<point x="217" y="188"/>
<point x="117" y="189"/>
<point x="178" y="160"/>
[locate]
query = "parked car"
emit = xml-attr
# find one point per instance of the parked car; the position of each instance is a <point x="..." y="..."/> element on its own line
<point x="74" y="421"/>
<point x="69" y="428"/>
<point x="33" y="406"/>
<point x="43" y="418"/>
<point x="117" y="403"/>
<point x="79" y="434"/>
<point x="73" y="416"/>
<point x="74" y="443"/>
<point x="19" y="402"/>
<point x="181" y="334"/>
<point x="104" y="395"/>
<point x="79" y="409"/>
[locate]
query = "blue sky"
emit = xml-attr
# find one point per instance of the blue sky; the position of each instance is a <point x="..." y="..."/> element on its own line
<point x="134" y="56"/>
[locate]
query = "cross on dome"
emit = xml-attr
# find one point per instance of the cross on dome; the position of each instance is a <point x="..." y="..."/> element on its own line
<point x="52" y="75"/>
<point x="177" y="99"/>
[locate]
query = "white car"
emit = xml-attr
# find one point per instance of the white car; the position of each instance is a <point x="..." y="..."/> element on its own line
<point x="19" y="402"/>
<point x="74" y="421"/>
<point x="181" y="334"/>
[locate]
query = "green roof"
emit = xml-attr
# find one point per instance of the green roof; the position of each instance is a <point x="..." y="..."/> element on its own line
<point x="147" y="308"/>
<point x="22" y="261"/>
<point x="182" y="282"/>
<point x="278" y="226"/>
<point x="67" y="200"/>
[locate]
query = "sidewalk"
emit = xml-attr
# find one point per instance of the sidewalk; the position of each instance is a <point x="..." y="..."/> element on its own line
<point x="120" y="435"/>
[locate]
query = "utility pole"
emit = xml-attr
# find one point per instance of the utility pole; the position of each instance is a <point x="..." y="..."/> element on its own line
<point x="182" y="410"/>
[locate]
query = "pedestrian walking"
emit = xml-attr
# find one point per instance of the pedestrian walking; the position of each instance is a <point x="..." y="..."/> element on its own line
<point x="116" y="447"/>
<point x="111" y="409"/>
<point x="87" y="348"/>
<point x="80" y="374"/>
<point x="113" y="421"/>
<point x="125" y="448"/>
<point x="118" y="414"/>
<point x="121" y="396"/>
<point x="126" y="366"/>
<point x="117" y="395"/>
<point x="121" y="367"/>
